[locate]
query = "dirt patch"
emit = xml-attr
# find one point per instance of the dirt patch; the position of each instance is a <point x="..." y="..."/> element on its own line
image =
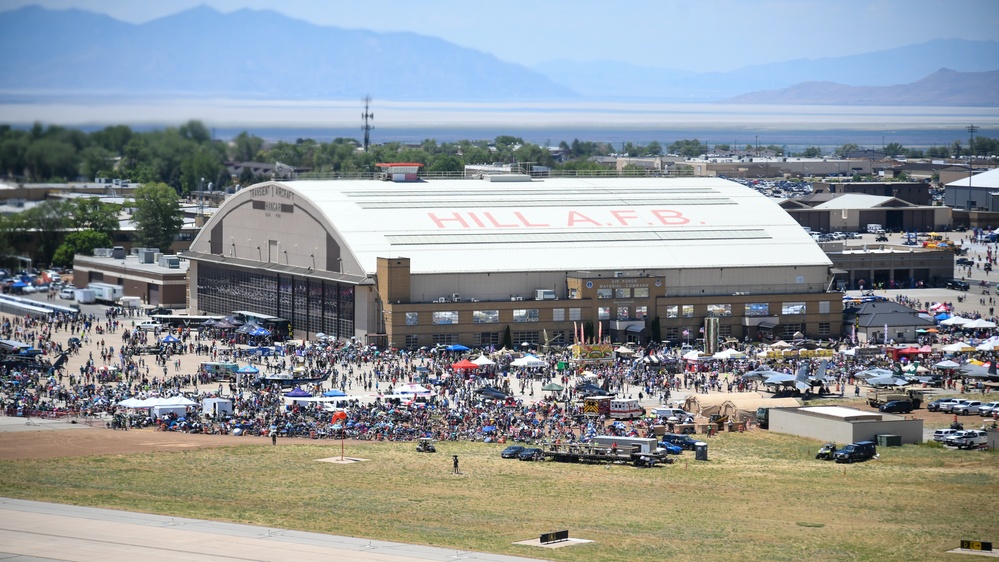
<point x="86" y="442"/>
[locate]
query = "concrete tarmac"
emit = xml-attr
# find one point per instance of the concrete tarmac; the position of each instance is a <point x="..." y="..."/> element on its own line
<point x="36" y="531"/>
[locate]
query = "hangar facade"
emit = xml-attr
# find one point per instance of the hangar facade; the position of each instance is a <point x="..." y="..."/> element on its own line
<point x="417" y="263"/>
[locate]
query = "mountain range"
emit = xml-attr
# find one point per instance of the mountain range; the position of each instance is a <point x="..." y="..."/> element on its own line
<point x="259" y="54"/>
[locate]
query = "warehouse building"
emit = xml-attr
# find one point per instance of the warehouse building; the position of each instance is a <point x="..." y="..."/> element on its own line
<point x="408" y="262"/>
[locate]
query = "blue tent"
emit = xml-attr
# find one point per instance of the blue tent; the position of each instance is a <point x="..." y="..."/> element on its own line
<point x="257" y="332"/>
<point x="248" y="369"/>
<point x="456" y="347"/>
<point x="170" y="339"/>
<point x="298" y="393"/>
<point x="333" y="393"/>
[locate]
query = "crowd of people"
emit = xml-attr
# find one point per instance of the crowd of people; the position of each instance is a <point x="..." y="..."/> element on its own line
<point x="103" y="361"/>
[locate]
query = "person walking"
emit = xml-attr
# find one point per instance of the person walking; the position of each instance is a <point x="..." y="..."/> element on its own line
<point x="456" y="465"/>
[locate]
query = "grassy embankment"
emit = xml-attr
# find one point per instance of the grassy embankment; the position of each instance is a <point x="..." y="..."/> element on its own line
<point x="761" y="496"/>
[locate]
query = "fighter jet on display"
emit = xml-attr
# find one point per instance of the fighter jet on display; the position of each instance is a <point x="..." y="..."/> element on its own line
<point x="802" y="380"/>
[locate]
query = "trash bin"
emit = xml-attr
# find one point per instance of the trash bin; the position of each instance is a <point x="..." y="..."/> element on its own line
<point x="701" y="451"/>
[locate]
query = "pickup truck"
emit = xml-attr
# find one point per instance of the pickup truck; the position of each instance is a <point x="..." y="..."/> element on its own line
<point x="967" y="439"/>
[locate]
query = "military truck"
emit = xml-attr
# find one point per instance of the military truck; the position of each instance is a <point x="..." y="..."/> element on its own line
<point x="878" y="398"/>
<point x="763" y="417"/>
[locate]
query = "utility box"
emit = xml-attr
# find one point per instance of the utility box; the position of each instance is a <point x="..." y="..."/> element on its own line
<point x="889" y="440"/>
<point x="700" y="451"/>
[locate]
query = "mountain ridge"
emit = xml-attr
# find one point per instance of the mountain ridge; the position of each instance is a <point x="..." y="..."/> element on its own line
<point x="262" y="54"/>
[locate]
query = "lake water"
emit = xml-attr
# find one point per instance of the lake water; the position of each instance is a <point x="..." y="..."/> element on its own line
<point x="544" y="122"/>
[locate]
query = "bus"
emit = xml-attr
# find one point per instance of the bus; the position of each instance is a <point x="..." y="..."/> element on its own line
<point x="182" y="320"/>
<point x="280" y="328"/>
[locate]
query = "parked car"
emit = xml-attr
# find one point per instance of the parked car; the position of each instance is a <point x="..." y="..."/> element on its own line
<point x="988" y="409"/>
<point x="684" y="441"/>
<point x="967" y="439"/>
<point x="941" y="435"/>
<point x="150" y="326"/>
<point x="859" y="451"/>
<point x="948" y="407"/>
<point x="967" y="408"/>
<point x="159" y="310"/>
<point x="671" y="448"/>
<point x="958" y="285"/>
<point x="896" y="407"/>
<point x="937" y="405"/>
<point x="531" y="454"/>
<point x="964" y="261"/>
<point x="854" y="235"/>
<point x="511" y="452"/>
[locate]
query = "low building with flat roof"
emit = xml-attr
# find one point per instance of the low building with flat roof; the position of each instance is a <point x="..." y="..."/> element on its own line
<point x="844" y="425"/>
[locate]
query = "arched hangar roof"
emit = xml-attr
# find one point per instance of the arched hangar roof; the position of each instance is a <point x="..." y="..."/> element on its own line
<point x="559" y="224"/>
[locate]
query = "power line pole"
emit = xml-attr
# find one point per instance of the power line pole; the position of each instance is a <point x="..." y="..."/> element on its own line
<point x="367" y="126"/>
<point x="971" y="155"/>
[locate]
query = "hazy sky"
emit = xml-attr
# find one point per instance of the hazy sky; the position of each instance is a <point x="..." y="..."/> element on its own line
<point x="685" y="34"/>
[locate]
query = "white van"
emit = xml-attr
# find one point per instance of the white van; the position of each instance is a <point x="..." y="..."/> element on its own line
<point x="67" y="293"/>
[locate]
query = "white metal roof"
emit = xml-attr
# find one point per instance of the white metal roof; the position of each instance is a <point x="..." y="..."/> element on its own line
<point x="561" y="224"/>
<point x="854" y="201"/>
<point x="989" y="179"/>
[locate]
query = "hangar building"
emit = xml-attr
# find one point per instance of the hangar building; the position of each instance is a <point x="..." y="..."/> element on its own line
<point x="412" y="262"/>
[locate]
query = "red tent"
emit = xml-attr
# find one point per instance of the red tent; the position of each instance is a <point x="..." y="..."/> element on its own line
<point x="464" y="364"/>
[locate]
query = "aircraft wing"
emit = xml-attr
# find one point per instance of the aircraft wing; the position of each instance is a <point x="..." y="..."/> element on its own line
<point x="873" y="373"/>
<point x="781" y="379"/>
<point x="888" y="380"/>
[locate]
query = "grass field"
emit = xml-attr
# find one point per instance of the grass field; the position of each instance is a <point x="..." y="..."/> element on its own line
<point x="761" y="496"/>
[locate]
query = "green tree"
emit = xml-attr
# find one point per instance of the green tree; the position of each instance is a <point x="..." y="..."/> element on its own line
<point x="689" y="148"/>
<point x="157" y="216"/>
<point x="46" y="223"/>
<point x="49" y="159"/>
<point x="202" y="164"/>
<point x="812" y="152"/>
<point x="653" y="149"/>
<point x="81" y="242"/>
<point x="895" y="149"/>
<point x="507" y="338"/>
<point x="245" y="147"/>
<point x="446" y="163"/>
<point x="723" y="147"/>
<point x="92" y="214"/>
<point x="848" y="147"/>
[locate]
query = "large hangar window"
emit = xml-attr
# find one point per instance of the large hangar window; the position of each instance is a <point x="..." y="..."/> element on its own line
<point x="311" y="304"/>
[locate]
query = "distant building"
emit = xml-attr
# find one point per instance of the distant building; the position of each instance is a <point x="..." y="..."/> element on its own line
<point x="852" y="212"/>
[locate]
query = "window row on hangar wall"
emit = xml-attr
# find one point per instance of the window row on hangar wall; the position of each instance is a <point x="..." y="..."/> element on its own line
<point x="619" y="312"/>
<point x="310" y="304"/>
<point x="558" y="337"/>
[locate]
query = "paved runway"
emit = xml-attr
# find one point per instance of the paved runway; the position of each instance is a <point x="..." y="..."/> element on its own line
<point x="36" y="531"/>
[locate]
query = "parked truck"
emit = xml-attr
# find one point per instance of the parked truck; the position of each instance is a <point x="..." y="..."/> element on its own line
<point x="763" y="417"/>
<point x="878" y="398"/>
<point x="84" y="296"/>
<point x="106" y="292"/>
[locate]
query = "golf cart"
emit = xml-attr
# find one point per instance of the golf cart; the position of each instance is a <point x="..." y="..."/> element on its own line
<point x="425" y="445"/>
<point x="826" y="452"/>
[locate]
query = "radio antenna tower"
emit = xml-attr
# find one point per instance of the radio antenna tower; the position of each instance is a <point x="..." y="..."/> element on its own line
<point x="367" y="126"/>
